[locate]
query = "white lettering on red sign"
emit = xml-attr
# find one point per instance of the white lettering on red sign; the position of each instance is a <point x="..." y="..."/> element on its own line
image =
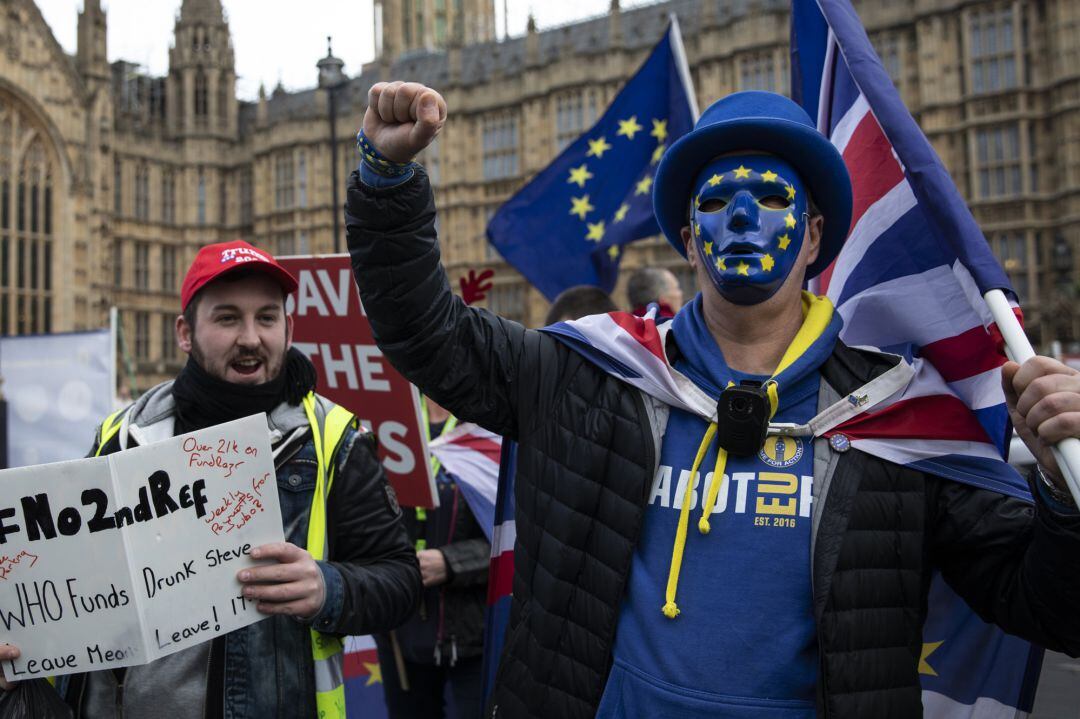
<point x="321" y="294"/>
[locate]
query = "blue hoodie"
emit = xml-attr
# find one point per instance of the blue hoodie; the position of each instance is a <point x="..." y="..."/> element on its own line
<point x="744" y="644"/>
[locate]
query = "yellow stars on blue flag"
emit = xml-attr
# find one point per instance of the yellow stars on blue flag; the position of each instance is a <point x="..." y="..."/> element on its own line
<point x="742" y="173"/>
<point x="630" y="127"/>
<point x="580" y="175"/>
<point x="789" y="221"/>
<point x="569" y="224"/>
<point x="598" y="147"/>
<point x="580" y="206"/>
<point x="374" y="673"/>
<point x="928" y="648"/>
<point x="708" y="249"/>
<point x="784" y="241"/>
<point x="715" y="180"/>
<point x="720" y="264"/>
<point x="790" y="192"/>
<point x="743" y="269"/>
<point x="659" y="130"/>
<point x="767" y="263"/>
<point x="769" y="176"/>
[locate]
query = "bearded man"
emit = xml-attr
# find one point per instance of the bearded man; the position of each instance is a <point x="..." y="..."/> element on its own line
<point x="238" y="338"/>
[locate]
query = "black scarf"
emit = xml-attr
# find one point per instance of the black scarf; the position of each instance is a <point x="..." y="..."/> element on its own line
<point x="203" y="401"/>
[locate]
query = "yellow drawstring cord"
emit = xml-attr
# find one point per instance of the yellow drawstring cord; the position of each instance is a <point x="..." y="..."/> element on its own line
<point x="721" y="462"/>
<point x="817" y="313"/>
<point x="670" y="609"/>
<point x="714" y="490"/>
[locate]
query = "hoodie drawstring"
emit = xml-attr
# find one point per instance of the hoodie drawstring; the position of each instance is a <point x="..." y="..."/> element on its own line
<point x="671" y="610"/>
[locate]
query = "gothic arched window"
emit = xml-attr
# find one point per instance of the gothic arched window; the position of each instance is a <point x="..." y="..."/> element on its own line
<point x="224" y="99"/>
<point x="200" y="95"/>
<point x="27" y="181"/>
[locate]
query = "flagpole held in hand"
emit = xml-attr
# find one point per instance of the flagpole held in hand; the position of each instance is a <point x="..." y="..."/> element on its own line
<point x="1067" y="451"/>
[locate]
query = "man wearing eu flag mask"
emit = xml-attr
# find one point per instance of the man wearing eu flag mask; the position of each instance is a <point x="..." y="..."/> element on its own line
<point x="748" y="226"/>
<point x="799" y="590"/>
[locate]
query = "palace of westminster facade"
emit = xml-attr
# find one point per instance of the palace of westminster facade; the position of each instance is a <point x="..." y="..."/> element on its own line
<point x="111" y="179"/>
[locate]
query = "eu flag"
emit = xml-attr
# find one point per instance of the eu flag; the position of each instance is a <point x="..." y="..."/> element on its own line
<point x="568" y="225"/>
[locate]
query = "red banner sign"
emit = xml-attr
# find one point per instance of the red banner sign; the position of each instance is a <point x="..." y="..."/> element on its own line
<point x="332" y="329"/>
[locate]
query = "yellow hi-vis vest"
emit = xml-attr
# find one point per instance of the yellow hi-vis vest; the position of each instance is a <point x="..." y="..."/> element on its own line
<point x="328" y="428"/>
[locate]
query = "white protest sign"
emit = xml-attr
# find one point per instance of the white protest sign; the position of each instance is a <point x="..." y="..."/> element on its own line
<point x="119" y="560"/>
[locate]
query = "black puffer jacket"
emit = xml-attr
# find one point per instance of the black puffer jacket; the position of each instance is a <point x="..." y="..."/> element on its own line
<point x="588" y="452"/>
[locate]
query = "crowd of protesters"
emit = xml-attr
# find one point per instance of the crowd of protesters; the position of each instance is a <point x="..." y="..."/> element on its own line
<point x="784" y="611"/>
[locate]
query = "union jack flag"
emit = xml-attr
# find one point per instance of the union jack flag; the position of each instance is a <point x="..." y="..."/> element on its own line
<point x="911" y="280"/>
<point x="915" y="266"/>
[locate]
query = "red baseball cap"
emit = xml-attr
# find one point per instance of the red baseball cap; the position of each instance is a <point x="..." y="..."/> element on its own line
<point x="219" y="259"/>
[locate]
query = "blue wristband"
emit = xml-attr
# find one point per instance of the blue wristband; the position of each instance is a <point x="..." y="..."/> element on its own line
<point x="379" y="162"/>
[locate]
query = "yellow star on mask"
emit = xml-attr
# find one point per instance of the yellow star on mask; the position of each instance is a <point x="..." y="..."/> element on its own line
<point x="790" y="192"/>
<point x="768" y="176"/>
<point x="741" y="173"/>
<point x="743" y="269"/>
<point x="374" y="673"/>
<point x="620" y="214"/>
<point x="708" y="249"/>
<point x="658" y="153"/>
<point x="697" y="230"/>
<point x="613" y="252"/>
<point x="596" y="231"/>
<point x="580" y="175"/>
<point x="628" y="128"/>
<point x="928" y="648"/>
<point x="643" y="186"/>
<point x="789" y="221"/>
<point x="715" y="180"/>
<point x="720" y="264"/>
<point x="784" y="241"/>
<point x="580" y="206"/>
<point x="598" y="147"/>
<point x="659" y="129"/>
<point x="767" y="263"/>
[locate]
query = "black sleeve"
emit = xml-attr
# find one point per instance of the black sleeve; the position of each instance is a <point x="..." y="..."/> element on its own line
<point x="1015" y="564"/>
<point x="369" y="546"/>
<point x="483" y="368"/>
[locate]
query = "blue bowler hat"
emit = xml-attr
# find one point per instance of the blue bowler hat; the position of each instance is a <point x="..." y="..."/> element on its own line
<point x="766" y="122"/>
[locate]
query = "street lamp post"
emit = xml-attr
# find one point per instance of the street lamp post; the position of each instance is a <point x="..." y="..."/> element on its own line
<point x="331" y="78"/>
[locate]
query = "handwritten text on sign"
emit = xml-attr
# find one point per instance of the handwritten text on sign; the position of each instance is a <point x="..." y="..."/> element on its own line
<point x="120" y="560"/>
<point x="332" y="329"/>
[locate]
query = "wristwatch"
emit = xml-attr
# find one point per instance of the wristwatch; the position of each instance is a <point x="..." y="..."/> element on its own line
<point x="1056" y="492"/>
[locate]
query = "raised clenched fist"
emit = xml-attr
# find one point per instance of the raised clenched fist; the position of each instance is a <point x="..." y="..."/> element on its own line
<point x="403" y="118"/>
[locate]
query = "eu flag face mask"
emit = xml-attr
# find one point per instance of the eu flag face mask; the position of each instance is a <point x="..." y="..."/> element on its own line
<point x="748" y="219"/>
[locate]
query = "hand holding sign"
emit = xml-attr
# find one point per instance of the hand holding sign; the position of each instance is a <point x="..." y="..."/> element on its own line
<point x="7" y="652"/>
<point x="295" y="587"/>
<point x="119" y="560"/>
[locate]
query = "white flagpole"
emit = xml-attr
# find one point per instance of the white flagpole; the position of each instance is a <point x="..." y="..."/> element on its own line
<point x="1019" y="349"/>
<point x="683" y="65"/>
